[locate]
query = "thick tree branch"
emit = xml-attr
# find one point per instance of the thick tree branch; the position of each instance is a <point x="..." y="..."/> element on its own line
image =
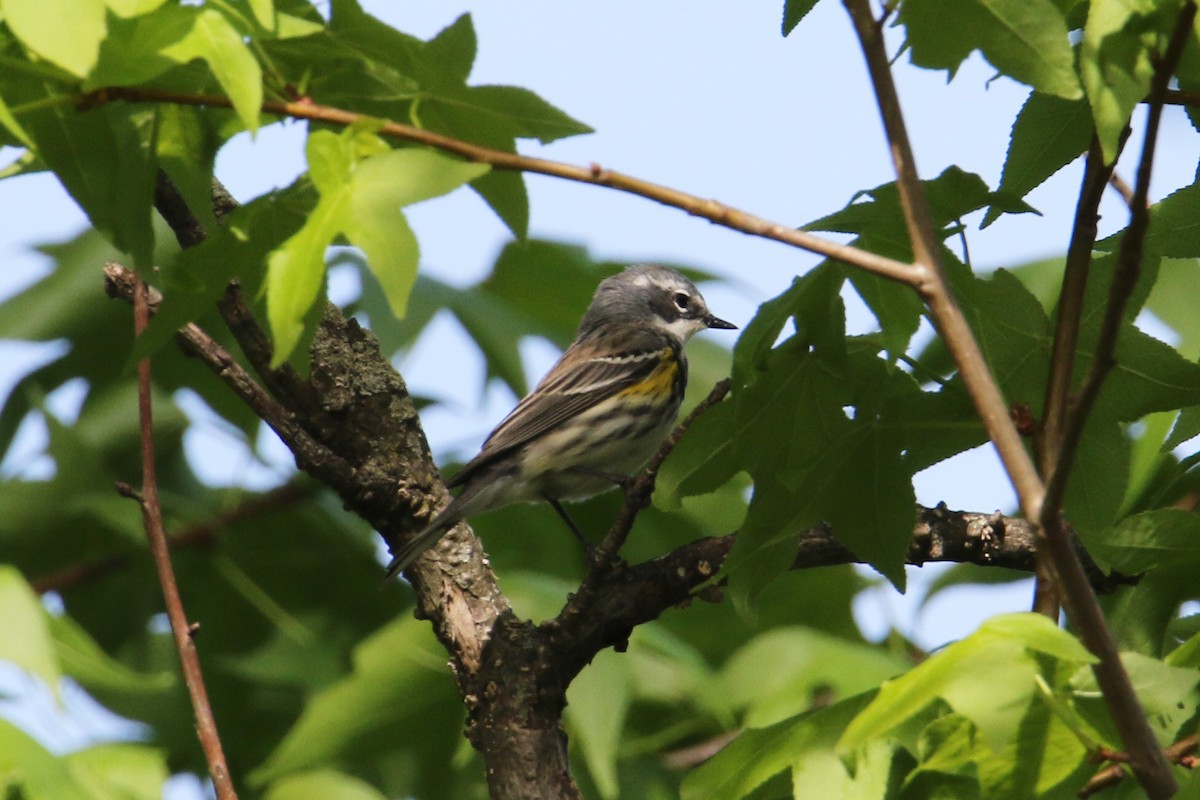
<point x="711" y="210"/>
<point x="634" y="595"/>
<point x="1152" y="770"/>
<point x="181" y="630"/>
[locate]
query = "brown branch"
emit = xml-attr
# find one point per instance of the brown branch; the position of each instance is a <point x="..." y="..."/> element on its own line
<point x="635" y="594"/>
<point x="1145" y="758"/>
<point x="1181" y="97"/>
<point x="1152" y="770"/>
<point x="1066" y="339"/>
<point x="711" y="210"/>
<point x="200" y="534"/>
<point x="206" y="725"/>
<point x="1128" y="264"/>
<point x="1182" y="753"/>
<point x="1122" y="188"/>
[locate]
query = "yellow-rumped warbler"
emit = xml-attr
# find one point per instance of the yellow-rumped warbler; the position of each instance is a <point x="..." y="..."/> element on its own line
<point x="600" y="412"/>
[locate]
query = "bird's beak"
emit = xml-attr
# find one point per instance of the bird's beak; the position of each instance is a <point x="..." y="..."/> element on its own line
<point x="714" y="322"/>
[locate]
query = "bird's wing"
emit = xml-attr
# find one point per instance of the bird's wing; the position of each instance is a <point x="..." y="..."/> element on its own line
<point x="580" y="379"/>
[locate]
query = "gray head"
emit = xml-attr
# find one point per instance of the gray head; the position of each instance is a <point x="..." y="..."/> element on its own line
<point x="650" y="295"/>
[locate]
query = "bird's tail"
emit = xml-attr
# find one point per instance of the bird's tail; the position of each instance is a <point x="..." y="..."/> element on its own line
<point x="410" y="550"/>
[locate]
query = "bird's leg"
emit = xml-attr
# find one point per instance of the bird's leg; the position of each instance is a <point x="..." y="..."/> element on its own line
<point x="588" y="547"/>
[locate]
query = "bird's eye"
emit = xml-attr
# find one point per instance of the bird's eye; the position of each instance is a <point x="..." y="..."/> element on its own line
<point x="681" y="301"/>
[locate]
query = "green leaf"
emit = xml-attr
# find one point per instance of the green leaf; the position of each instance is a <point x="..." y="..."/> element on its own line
<point x="756" y="755"/>
<point x="40" y="27"/>
<point x="703" y="459"/>
<point x="264" y="13"/>
<point x="1098" y="478"/>
<point x="216" y="41"/>
<point x="899" y="312"/>
<point x="82" y="659"/>
<point x="803" y="661"/>
<point x="1012" y="330"/>
<point x="1024" y="39"/>
<point x="1115" y="65"/>
<point x="28" y="770"/>
<point x="119" y="771"/>
<point x="1167" y="693"/>
<point x="598" y="701"/>
<point x="187" y="150"/>
<point x="104" y="159"/>
<point x="1032" y="632"/>
<point x="1174" y="226"/>
<point x="399" y="675"/>
<point x="26" y="642"/>
<point x="363" y="185"/>
<point x="1166" y="537"/>
<point x="794" y="11"/>
<point x="987" y="677"/>
<point x="1169" y="300"/>
<point x="322" y="785"/>
<point x="825" y="774"/>
<point x="811" y="463"/>
<point x="379" y="187"/>
<point x="425" y="83"/>
<point x="1187" y="426"/>
<point x="144" y="47"/>
<point x="296" y="271"/>
<point x="1048" y="134"/>
<point x="1150" y="376"/>
<point x="133" y="8"/>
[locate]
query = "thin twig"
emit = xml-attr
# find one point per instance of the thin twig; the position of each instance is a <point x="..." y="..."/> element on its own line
<point x="1148" y="763"/>
<point x="206" y="725"/>
<point x="711" y="210"/>
<point x="1122" y="188"/>
<point x="1182" y="753"/>
<point x="1066" y="339"/>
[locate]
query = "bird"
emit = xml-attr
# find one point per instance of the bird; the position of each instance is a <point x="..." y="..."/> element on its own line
<point x="599" y="413"/>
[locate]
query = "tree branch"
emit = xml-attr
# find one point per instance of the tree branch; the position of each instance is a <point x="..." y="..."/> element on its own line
<point x="193" y="677"/>
<point x="711" y="210"/>
<point x="1145" y="757"/>
<point x="1066" y="340"/>
<point x="1182" y="753"/>
<point x="1152" y="770"/>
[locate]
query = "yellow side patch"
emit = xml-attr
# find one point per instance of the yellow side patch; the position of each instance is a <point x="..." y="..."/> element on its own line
<point x="659" y="381"/>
